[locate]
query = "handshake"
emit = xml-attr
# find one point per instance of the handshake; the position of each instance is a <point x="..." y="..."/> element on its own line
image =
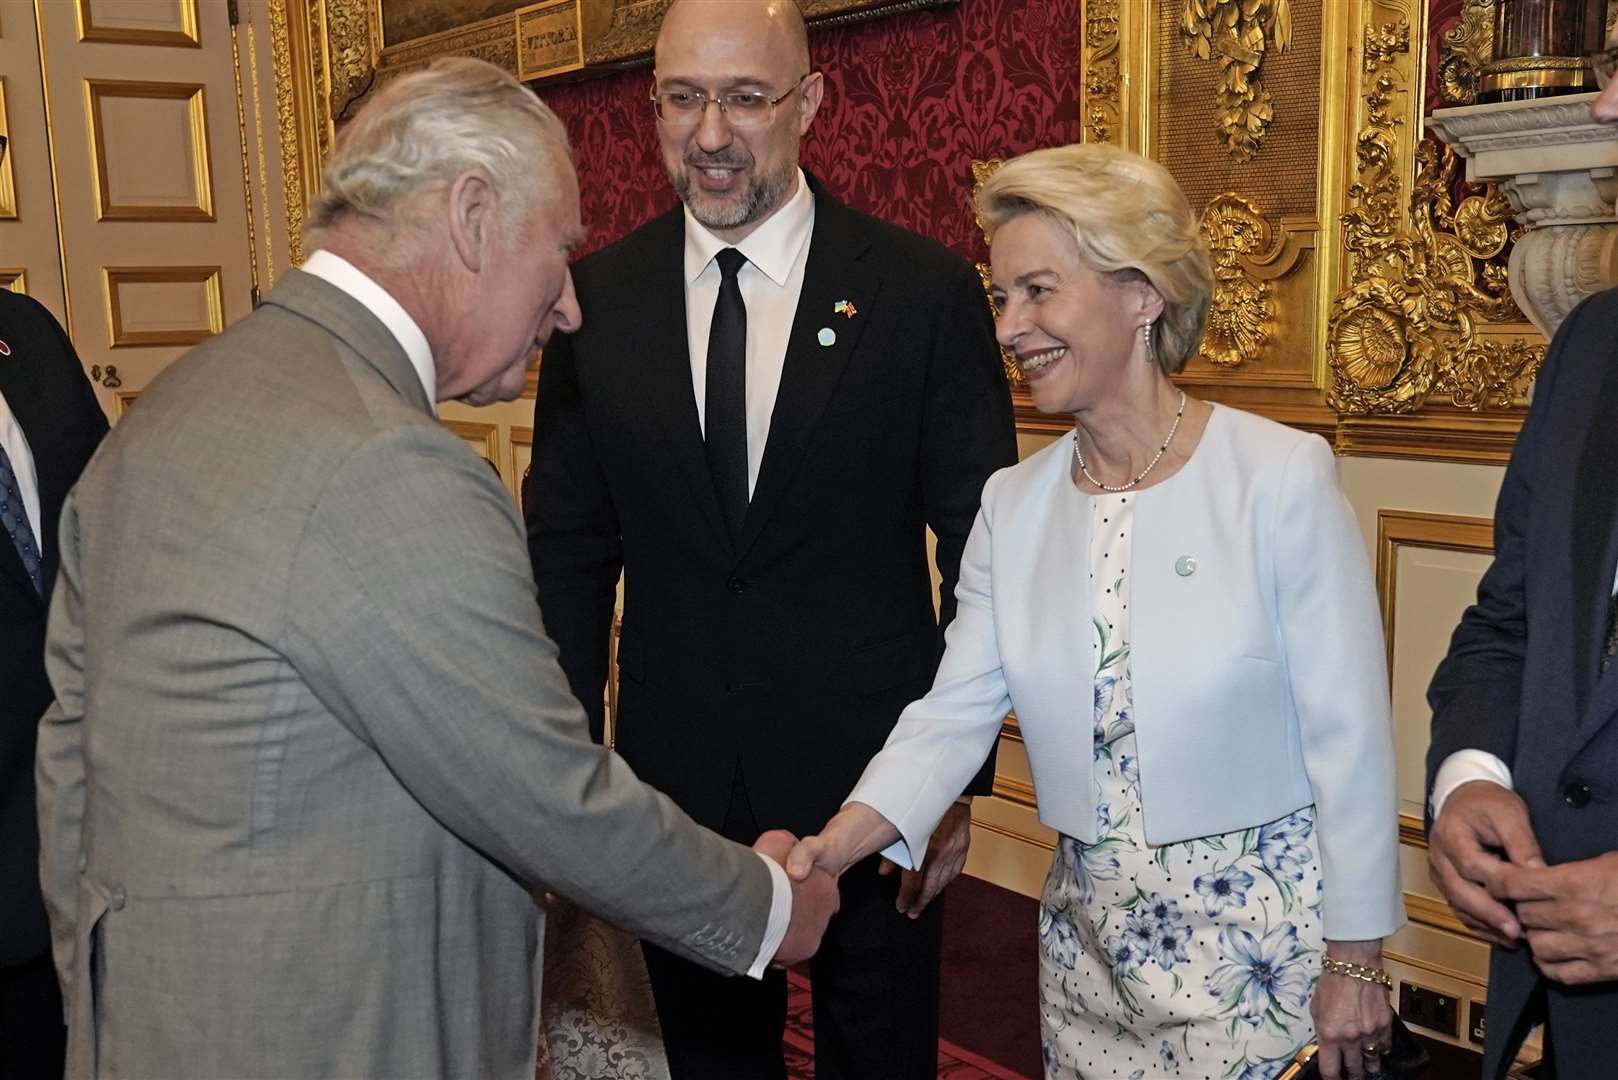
<point x="814" y="864"/>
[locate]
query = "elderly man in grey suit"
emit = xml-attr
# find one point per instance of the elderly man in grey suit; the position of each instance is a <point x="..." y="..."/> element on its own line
<point x="311" y="751"/>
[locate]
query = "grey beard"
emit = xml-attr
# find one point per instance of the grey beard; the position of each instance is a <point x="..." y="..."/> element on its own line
<point x="762" y="197"/>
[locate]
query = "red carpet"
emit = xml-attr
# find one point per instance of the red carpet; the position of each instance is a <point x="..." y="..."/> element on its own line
<point x="989" y="1017"/>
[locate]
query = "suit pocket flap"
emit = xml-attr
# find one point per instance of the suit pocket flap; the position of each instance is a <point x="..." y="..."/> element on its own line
<point x="888" y="663"/>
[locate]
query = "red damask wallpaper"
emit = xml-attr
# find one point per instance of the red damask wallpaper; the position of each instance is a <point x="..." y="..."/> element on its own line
<point x="911" y="101"/>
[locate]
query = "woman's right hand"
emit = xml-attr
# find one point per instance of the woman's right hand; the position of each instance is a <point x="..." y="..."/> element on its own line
<point x="854" y="832"/>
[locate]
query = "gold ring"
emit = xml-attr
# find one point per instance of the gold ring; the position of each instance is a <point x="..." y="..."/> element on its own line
<point x="1371" y="1051"/>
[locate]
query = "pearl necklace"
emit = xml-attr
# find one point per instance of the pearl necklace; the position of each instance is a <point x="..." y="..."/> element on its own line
<point x="1078" y="455"/>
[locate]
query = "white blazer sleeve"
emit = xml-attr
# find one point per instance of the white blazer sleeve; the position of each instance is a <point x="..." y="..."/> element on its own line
<point x="940" y="742"/>
<point x="1337" y="667"/>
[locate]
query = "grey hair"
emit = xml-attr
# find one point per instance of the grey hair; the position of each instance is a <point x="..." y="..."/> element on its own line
<point x="1129" y="219"/>
<point x="423" y="130"/>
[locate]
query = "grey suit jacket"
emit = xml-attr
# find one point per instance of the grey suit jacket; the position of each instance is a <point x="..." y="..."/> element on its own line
<point x="311" y="748"/>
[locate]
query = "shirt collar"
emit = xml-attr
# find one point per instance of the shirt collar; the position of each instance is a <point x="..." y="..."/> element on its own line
<point x="345" y="276"/>
<point x="773" y="247"/>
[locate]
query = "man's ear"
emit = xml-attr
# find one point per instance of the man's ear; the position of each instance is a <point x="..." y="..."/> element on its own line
<point x="809" y="97"/>
<point x="473" y="211"/>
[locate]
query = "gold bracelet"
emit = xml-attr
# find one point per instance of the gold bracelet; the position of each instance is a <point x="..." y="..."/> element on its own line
<point x="1356" y="971"/>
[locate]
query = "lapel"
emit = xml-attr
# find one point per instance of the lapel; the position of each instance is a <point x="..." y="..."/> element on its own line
<point x="26" y="407"/>
<point x="1594" y="548"/>
<point x="657" y="285"/>
<point x="836" y="270"/>
<point x="350" y="321"/>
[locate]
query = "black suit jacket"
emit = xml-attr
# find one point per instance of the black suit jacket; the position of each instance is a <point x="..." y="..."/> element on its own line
<point x="790" y="653"/>
<point x="46" y="390"/>
<point x="1522" y="679"/>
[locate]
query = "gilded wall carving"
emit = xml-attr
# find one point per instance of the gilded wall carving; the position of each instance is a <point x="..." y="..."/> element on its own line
<point x="1102" y="79"/>
<point x="1242" y="315"/>
<point x="351" y="51"/>
<point x="1423" y="283"/>
<point x="286" y="118"/>
<point x="981" y="171"/>
<point x="1464" y="51"/>
<point x="1235" y="34"/>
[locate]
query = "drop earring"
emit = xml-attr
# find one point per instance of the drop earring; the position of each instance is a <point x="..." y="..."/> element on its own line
<point x="1146" y="342"/>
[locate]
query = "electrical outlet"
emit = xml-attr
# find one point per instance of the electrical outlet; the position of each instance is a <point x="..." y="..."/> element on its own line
<point x="1429" y="1009"/>
<point x="1474" y="1022"/>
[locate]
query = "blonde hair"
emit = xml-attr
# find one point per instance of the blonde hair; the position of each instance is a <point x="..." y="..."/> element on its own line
<point x="1128" y="218"/>
<point x="424" y="129"/>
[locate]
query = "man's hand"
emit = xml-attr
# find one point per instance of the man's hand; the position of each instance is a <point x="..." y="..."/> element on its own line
<point x="814" y="901"/>
<point x="1570" y="912"/>
<point x="1478" y="821"/>
<point x="946" y="855"/>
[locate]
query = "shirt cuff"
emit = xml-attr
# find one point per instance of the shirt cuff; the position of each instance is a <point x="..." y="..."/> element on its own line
<point x="1462" y="767"/>
<point x="780" y="917"/>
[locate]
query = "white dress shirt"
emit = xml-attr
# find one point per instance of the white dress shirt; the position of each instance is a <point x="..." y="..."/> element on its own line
<point x="770" y="282"/>
<point x="344" y="275"/>
<point x="22" y="463"/>
<point x="1464" y="766"/>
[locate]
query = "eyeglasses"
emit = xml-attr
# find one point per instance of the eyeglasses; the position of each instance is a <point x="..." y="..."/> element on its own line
<point x="741" y="108"/>
<point x="1603" y="64"/>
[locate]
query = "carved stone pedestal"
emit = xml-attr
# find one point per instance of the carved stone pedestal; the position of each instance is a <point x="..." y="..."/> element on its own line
<point x="1559" y="169"/>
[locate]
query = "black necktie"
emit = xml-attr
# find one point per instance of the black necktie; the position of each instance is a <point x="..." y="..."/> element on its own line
<point x="725" y="411"/>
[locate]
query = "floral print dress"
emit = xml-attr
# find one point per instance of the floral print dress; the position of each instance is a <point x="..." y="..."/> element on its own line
<point x="1192" y="959"/>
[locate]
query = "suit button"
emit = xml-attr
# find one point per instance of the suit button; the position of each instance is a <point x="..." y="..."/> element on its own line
<point x="84" y="861"/>
<point x="118" y="898"/>
<point x="1576" y="795"/>
<point x="736" y="585"/>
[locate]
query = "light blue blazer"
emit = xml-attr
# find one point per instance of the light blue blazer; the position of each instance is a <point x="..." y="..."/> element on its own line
<point x="1260" y="677"/>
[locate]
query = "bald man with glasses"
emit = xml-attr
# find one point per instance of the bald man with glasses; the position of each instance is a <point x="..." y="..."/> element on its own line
<point x="771" y="400"/>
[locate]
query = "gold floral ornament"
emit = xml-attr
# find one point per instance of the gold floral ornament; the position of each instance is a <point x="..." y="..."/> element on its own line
<point x="981" y="171"/>
<point x="1424" y="285"/>
<point x="1102" y="78"/>
<point x="1242" y="314"/>
<point x="1236" y="34"/>
<point x="1466" y="47"/>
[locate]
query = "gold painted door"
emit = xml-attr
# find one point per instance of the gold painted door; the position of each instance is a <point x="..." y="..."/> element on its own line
<point x="139" y="98"/>
<point x="30" y="259"/>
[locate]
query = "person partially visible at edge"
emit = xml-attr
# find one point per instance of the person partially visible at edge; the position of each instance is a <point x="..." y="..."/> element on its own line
<point x="1522" y="770"/>
<point x="50" y="424"/>
<point x="1148" y="594"/>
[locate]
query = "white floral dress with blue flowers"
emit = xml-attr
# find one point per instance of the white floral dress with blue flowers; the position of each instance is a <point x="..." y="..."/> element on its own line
<point x="1194" y="959"/>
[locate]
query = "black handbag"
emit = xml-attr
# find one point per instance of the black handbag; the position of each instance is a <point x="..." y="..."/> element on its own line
<point x="1406" y="1059"/>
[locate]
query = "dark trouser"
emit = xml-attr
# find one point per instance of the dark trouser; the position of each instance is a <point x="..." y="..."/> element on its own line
<point x="875" y="991"/>
<point x="33" y="1041"/>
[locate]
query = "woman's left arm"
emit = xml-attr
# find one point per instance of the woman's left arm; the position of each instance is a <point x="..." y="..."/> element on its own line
<point x="1331" y="635"/>
<point x="1336" y="662"/>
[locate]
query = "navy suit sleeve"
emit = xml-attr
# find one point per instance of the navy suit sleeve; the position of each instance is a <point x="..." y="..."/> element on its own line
<point x="1476" y="693"/>
<point x="574" y="540"/>
<point x="967" y="434"/>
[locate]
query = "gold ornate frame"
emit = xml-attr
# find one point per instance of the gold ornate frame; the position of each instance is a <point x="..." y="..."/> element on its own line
<point x="1416" y="347"/>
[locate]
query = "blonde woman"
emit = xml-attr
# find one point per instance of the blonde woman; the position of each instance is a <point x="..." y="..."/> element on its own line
<point x="1175" y="600"/>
